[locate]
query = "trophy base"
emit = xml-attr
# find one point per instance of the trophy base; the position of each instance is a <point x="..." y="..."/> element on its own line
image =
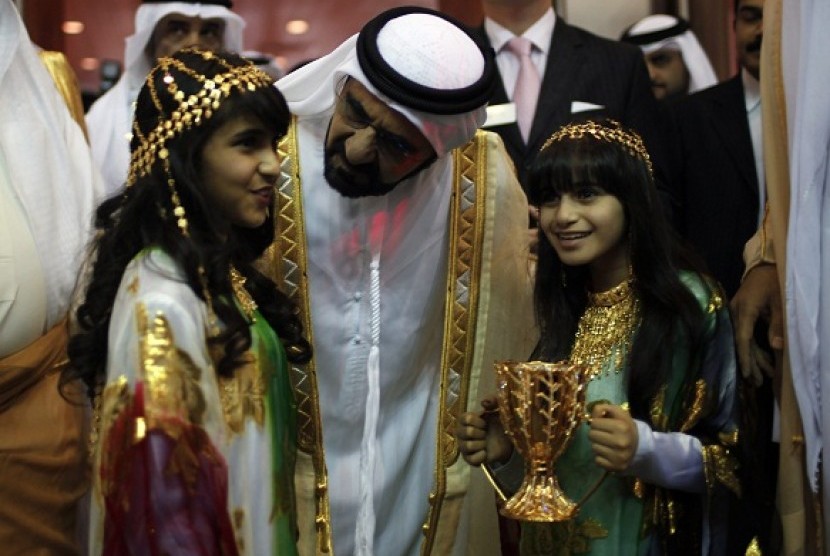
<point x="540" y="499"/>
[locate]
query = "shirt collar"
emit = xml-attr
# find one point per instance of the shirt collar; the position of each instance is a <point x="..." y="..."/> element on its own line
<point x="752" y="90"/>
<point x="539" y="33"/>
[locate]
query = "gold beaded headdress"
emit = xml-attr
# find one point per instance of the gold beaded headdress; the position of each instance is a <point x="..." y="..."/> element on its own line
<point x="612" y="132"/>
<point x="192" y="109"/>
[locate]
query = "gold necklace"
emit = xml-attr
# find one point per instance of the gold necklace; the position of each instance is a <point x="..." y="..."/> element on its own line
<point x="246" y="301"/>
<point x="607" y="326"/>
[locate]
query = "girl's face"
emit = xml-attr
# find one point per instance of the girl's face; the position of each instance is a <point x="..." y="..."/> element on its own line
<point x="240" y="169"/>
<point x="587" y="227"/>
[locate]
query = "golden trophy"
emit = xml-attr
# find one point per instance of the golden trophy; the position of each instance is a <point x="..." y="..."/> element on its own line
<point x="540" y="405"/>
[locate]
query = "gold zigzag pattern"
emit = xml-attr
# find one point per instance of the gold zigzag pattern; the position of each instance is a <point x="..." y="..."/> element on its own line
<point x="286" y="262"/>
<point x="290" y="274"/>
<point x="466" y="227"/>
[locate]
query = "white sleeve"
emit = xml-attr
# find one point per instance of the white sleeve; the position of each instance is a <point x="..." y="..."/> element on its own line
<point x="668" y="459"/>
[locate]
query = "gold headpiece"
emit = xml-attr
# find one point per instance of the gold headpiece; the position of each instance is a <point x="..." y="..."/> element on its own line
<point x="612" y="132"/>
<point x="192" y="109"/>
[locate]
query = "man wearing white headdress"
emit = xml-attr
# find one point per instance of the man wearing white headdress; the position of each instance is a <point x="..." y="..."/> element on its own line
<point x="48" y="191"/>
<point x="402" y="237"/>
<point x="161" y="28"/>
<point x="677" y="64"/>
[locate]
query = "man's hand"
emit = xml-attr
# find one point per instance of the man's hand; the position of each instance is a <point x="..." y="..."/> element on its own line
<point x="481" y="438"/>
<point x="758" y="297"/>
<point x="613" y="437"/>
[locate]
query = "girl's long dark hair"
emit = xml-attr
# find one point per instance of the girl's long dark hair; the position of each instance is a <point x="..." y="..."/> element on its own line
<point x="669" y="311"/>
<point x="141" y="216"/>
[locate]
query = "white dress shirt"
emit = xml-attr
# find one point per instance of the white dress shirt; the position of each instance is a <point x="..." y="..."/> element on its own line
<point x="752" y="97"/>
<point x="539" y="34"/>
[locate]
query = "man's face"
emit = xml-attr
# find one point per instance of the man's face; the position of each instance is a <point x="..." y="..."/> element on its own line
<point x="749" y="30"/>
<point x="176" y="31"/>
<point x="370" y="148"/>
<point x="668" y="73"/>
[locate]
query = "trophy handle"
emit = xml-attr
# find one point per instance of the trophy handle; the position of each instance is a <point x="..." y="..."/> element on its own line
<point x="592" y="490"/>
<point x="485" y="468"/>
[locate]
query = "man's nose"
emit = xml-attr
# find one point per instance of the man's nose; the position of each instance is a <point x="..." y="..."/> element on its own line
<point x="360" y="148"/>
<point x="652" y="72"/>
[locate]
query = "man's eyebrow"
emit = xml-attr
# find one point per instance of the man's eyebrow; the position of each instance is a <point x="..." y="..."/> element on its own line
<point x="751" y="10"/>
<point x="361" y="113"/>
<point x="356" y="106"/>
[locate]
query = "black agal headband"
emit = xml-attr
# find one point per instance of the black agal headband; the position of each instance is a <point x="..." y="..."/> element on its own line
<point x="226" y="3"/>
<point x="391" y="83"/>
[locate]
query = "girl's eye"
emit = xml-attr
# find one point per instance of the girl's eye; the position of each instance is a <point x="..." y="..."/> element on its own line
<point x="587" y="193"/>
<point x="551" y="201"/>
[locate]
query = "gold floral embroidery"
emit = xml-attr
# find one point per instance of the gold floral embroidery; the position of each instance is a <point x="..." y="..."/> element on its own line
<point x="699" y="406"/>
<point x="245" y="299"/>
<point x="561" y="539"/>
<point x="715" y="302"/>
<point x="243" y="396"/>
<point x="111" y="403"/>
<point x="238" y="526"/>
<point x="132" y="287"/>
<point x="169" y="374"/>
<point x="721" y="466"/>
<point x="658" y="418"/>
<point x="754" y="549"/>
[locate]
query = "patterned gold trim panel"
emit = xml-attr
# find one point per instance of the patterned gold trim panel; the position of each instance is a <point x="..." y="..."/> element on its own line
<point x="467" y="219"/>
<point x="289" y="262"/>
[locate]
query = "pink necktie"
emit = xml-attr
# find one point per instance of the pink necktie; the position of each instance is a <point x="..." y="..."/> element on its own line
<point x="526" y="92"/>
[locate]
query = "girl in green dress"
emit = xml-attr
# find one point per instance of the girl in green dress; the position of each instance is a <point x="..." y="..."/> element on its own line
<point x="613" y="292"/>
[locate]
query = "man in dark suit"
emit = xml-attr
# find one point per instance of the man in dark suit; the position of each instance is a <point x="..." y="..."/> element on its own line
<point x="582" y="76"/>
<point x="720" y="179"/>
<point x="719" y="162"/>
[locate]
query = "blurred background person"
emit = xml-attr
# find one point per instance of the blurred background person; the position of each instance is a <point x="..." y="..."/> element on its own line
<point x="161" y="28"/>
<point x="677" y="64"/>
<point x="48" y="190"/>
<point x="552" y="73"/>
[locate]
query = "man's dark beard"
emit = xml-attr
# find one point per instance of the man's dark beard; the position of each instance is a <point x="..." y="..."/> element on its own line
<point x="353" y="181"/>
<point x="755" y="46"/>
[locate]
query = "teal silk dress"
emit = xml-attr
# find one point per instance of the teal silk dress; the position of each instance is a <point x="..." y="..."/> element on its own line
<point x="670" y="500"/>
<point x="185" y="461"/>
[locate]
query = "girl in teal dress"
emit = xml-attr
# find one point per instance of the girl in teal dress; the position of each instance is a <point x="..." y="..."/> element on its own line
<point x="613" y="292"/>
<point x="182" y="343"/>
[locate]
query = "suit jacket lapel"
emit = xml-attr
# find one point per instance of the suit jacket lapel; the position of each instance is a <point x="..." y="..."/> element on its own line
<point x="562" y="70"/>
<point x="731" y="124"/>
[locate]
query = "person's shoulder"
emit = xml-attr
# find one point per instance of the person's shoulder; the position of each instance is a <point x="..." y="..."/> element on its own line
<point x="706" y="96"/>
<point x="103" y="106"/>
<point x="154" y="274"/>
<point x="595" y="42"/>
<point x="705" y="289"/>
<point x="493" y="145"/>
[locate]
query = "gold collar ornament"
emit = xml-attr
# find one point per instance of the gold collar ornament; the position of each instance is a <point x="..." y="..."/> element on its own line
<point x="243" y="296"/>
<point x="607" y="327"/>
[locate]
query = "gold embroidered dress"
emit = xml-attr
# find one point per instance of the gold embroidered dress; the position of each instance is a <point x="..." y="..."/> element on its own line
<point x="675" y="479"/>
<point x="186" y="462"/>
